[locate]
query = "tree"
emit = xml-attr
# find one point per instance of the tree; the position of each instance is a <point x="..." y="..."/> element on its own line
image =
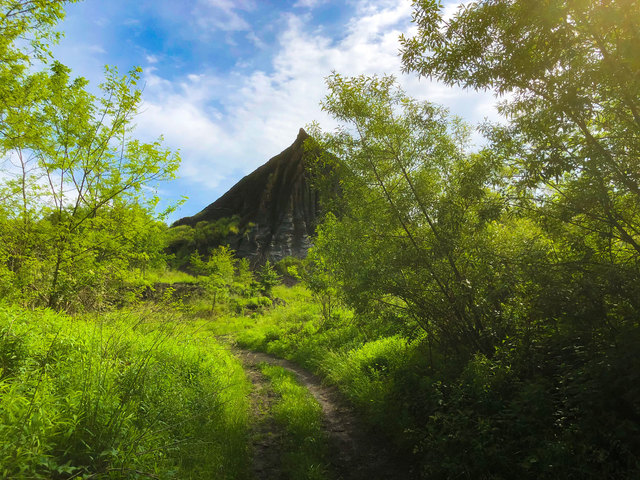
<point x="322" y="282"/>
<point x="218" y="270"/>
<point x="26" y="30"/>
<point x="415" y="211"/>
<point x="77" y="213"/>
<point x="244" y="283"/>
<point x="268" y="278"/>
<point x="569" y="70"/>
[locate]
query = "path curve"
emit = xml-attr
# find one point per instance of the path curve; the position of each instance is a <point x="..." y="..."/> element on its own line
<point x="355" y="455"/>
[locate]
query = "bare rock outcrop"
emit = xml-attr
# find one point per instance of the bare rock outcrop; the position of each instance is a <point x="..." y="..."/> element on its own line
<point x="276" y="207"/>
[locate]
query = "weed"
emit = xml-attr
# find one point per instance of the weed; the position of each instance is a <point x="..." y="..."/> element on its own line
<point x="122" y="395"/>
<point x="300" y="414"/>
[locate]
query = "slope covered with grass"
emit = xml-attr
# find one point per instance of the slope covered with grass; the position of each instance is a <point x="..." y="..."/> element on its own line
<point x="130" y="394"/>
<point x="562" y="411"/>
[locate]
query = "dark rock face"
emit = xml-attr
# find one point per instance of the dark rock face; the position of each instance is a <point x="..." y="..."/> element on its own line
<point x="276" y="205"/>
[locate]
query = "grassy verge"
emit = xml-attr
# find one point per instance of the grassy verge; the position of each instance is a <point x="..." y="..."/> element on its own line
<point x="539" y="415"/>
<point x="132" y="394"/>
<point x="365" y="361"/>
<point x="301" y="416"/>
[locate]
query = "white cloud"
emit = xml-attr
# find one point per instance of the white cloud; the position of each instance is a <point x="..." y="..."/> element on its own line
<point x="308" y="3"/>
<point x="131" y="22"/>
<point x="222" y="14"/>
<point x="229" y="124"/>
<point x="96" y="49"/>
<point x="101" y="22"/>
<point x="257" y="41"/>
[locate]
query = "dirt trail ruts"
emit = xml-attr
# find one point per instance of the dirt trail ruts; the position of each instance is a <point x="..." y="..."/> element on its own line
<point x="355" y="455"/>
<point x="266" y="434"/>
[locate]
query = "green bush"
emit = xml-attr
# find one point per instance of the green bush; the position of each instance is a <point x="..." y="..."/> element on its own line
<point x="555" y="405"/>
<point x="241" y="305"/>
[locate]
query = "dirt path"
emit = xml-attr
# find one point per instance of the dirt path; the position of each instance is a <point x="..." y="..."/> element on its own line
<point x="266" y="434"/>
<point x="354" y="454"/>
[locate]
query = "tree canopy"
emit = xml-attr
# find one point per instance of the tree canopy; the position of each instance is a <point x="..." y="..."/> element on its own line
<point x="415" y="212"/>
<point x="519" y="262"/>
<point x="78" y="209"/>
<point x="569" y="73"/>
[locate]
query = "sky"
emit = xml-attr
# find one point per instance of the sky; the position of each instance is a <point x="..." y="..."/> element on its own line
<point x="229" y="83"/>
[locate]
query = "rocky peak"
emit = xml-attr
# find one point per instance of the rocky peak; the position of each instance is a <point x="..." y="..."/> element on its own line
<point x="275" y="205"/>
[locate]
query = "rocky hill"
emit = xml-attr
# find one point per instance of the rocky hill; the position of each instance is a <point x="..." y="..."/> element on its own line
<point x="269" y="214"/>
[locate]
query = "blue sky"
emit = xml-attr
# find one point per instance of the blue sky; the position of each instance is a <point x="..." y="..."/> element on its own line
<point x="230" y="82"/>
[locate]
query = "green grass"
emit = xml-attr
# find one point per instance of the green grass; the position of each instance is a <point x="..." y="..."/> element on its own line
<point x="370" y="363"/>
<point x="457" y="416"/>
<point x="169" y="276"/>
<point x="360" y="359"/>
<point x="300" y="414"/>
<point x="131" y="394"/>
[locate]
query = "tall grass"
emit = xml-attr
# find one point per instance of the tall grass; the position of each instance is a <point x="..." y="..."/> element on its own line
<point x="163" y="275"/>
<point x="370" y="363"/>
<point x="558" y="410"/>
<point x="305" y="446"/>
<point x="125" y="395"/>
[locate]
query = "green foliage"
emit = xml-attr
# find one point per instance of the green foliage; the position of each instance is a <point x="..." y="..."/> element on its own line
<point x="519" y="263"/>
<point x="550" y="406"/>
<point x="218" y="272"/>
<point x="494" y="322"/>
<point x="301" y="415"/>
<point x="242" y="305"/>
<point x="290" y="268"/>
<point x="74" y="213"/>
<point x="166" y="275"/>
<point x="572" y="137"/>
<point x="183" y="240"/>
<point x="572" y="245"/>
<point x="324" y="285"/>
<point x="268" y="278"/>
<point x="506" y="259"/>
<point x="127" y="395"/>
<point x="244" y="283"/>
<point x="26" y="29"/>
<point x="569" y="69"/>
<point x="416" y="210"/>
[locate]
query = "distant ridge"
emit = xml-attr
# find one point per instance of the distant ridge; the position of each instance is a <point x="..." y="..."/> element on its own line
<point x="276" y="206"/>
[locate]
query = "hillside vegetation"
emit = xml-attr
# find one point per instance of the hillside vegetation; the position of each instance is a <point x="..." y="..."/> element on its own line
<point x="133" y="394"/>
<point x="478" y="307"/>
